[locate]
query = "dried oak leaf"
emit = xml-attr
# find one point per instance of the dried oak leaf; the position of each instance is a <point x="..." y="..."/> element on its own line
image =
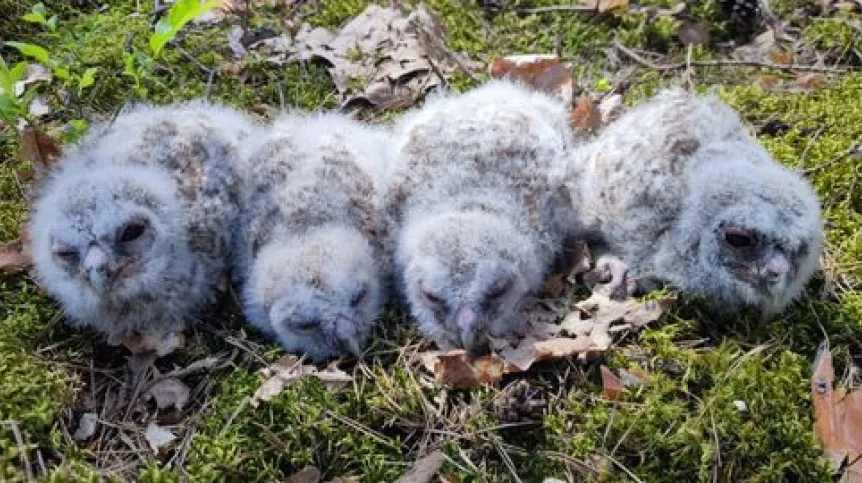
<point x="612" y="387"/>
<point x="309" y="474"/>
<point x="693" y="33"/>
<point x="39" y="148"/>
<point x="170" y="392"/>
<point x="14" y="257"/>
<point x="542" y="72"/>
<point x="382" y="56"/>
<point x="160" y="343"/>
<point x="290" y="369"/>
<point x="606" y="5"/>
<point x="837" y="417"/>
<point x="86" y="427"/>
<point x="158" y="437"/>
<point x="586" y="117"/>
<point x="424" y="469"/>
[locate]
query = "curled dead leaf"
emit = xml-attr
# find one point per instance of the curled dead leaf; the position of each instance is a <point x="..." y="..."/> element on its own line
<point x="612" y="387"/>
<point x="169" y="393"/>
<point x="160" y="343"/>
<point x="158" y="437"/>
<point x="86" y="427"/>
<point x="39" y="148"/>
<point x="543" y="72"/>
<point x="424" y="469"/>
<point x="309" y="474"/>
<point x="14" y="258"/>
<point x="290" y="369"/>
<point x="585" y="117"/>
<point x="837" y="417"/>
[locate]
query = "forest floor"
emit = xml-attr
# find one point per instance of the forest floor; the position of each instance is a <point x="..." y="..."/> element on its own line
<point x="719" y="400"/>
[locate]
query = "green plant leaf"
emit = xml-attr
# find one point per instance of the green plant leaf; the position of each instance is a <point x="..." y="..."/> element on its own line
<point x="52" y="23"/>
<point x="88" y="78"/>
<point x="18" y="72"/>
<point x="32" y="50"/>
<point x="39" y="9"/>
<point x="181" y="13"/>
<point x="62" y="73"/>
<point x="34" y="18"/>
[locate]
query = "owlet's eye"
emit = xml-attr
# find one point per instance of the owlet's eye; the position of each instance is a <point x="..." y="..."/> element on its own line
<point x="304" y="325"/>
<point x="358" y="297"/>
<point x="430" y="297"/>
<point x="499" y="288"/>
<point x="67" y="255"/>
<point x="132" y="230"/>
<point x="740" y="239"/>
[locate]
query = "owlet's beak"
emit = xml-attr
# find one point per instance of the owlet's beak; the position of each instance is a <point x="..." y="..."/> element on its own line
<point x="472" y="330"/>
<point x="775" y="269"/>
<point x="96" y="266"/>
<point x="346" y="335"/>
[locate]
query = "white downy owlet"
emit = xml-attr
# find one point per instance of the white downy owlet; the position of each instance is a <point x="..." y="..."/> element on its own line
<point x="130" y="230"/>
<point x="679" y="192"/>
<point x="310" y="264"/>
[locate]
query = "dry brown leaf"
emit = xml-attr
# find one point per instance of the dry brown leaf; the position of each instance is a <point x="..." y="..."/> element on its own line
<point x="782" y="57"/>
<point x="86" y="427"/>
<point x="606" y="5"/>
<point x="383" y="56"/>
<point x="693" y="33"/>
<point x="290" y="369"/>
<point x="158" y="437"/>
<point x="39" y="148"/>
<point x="168" y="393"/>
<point x="837" y="417"/>
<point x="612" y="387"/>
<point x="454" y="369"/>
<point x="610" y="109"/>
<point x="160" y="343"/>
<point x="309" y="474"/>
<point x="810" y="81"/>
<point x="585" y="117"/>
<point x="424" y="469"/>
<point x="14" y="258"/>
<point x="542" y="72"/>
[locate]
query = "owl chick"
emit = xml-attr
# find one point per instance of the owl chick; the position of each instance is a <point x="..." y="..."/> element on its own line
<point x="679" y="192"/>
<point x="130" y="231"/>
<point x="309" y="261"/>
<point x="470" y="212"/>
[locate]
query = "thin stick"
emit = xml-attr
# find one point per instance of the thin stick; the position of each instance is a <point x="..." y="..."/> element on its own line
<point x="724" y="63"/>
<point x="851" y="151"/>
<point x="558" y="8"/>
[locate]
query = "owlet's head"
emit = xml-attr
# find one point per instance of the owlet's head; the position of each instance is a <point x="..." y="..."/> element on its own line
<point x="108" y="237"/>
<point x="761" y="236"/>
<point x="464" y="274"/>
<point x="319" y="293"/>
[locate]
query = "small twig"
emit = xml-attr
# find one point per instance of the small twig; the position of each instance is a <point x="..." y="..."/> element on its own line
<point x="808" y="145"/>
<point x="440" y="46"/>
<point x="853" y="150"/>
<point x="558" y="8"/>
<point x="724" y="63"/>
<point x="22" y="448"/>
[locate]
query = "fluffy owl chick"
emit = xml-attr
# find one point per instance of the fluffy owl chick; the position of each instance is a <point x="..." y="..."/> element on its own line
<point x="679" y="192"/>
<point x="470" y="211"/>
<point x="130" y="231"/>
<point x="312" y="268"/>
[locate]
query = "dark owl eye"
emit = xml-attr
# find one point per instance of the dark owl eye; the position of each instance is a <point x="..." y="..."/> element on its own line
<point x="67" y="255"/>
<point x="132" y="231"/>
<point x="430" y="296"/>
<point x="305" y="325"/>
<point x="499" y="288"/>
<point x="740" y="238"/>
<point x="358" y="297"/>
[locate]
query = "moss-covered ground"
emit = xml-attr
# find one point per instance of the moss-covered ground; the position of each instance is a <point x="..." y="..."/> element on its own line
<point x="723" y="401"/>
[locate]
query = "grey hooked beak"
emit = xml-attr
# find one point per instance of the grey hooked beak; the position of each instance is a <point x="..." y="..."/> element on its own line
<point x="345" y="334"/>
<point x="472" y="330"/>
<point x="775" y="269"/>
<point x="96" y="267"/>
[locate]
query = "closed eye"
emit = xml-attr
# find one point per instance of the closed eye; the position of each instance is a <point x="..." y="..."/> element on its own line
<point x="499" y="288"/>
<point x="304" y="325"/>
<point x="740" y="238"/>
<point x="430" y="297"/>
<point x="67" y="255"/>
<point x="358" y="297"/>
